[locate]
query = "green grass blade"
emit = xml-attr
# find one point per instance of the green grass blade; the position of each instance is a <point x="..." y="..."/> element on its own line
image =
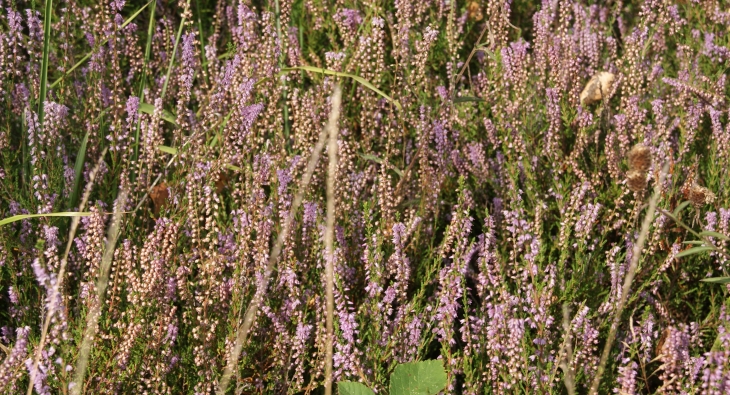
<point x="88" y="55"/>
<point x="173" y="151"/>
<point x="21" y="217"/>
<point x="172" y="58"/>
<point x="694" y="250"/>
<point x="44" y="62"/>
<point x="359" y="79"/>
<point x="167" y="150"/>
<point x="716" y="280"/>
<point x="680" y="208"/>
<point x="143" y="79"/>
<point x="466" y="99"/>
<point x="201" y="32"/>
<point x="78" y="168"/>
<point x="716" y="235"/>
<point x="150" y="109"/>
<point x="380" y="162"/>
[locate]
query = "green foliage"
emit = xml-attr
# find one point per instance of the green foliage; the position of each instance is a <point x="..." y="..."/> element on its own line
<point x="353" y="388"/>
<point x="418" y="378"/>
<point x="412" y="378"/>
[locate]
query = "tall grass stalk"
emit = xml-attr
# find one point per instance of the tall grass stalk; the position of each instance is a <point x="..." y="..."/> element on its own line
<point x="44" y="63"/>
<point x="629" y="279"/>
<point x="62" y="270"/>
<point x="94" y="313"/>
<point x="329" y="235"/>
<point x="243" y="330"/>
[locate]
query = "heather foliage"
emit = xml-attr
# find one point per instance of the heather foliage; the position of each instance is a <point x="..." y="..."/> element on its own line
<point x="488" y="205"/>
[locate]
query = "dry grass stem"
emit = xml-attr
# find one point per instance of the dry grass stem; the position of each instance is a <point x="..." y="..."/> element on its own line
<point x="92" y="319"/>
<point x="243" y="330"/>
<point x="329" y="235"/>
<point x="62" y="270"/>
<point x="628" y="280"/>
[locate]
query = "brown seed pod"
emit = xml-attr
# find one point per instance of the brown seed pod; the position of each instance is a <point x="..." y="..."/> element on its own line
<point x="662" y="339"/>
<point x="597" y="88"/>
<point x="640" y="158"/>
<point x="636" y="180"/>
<point x="699" y="196"/>
<point x="159" y="195"/>
<point x="221" y="183"/>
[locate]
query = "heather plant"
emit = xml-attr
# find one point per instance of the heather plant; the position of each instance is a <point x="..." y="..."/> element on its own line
<point x="276" y="197"/>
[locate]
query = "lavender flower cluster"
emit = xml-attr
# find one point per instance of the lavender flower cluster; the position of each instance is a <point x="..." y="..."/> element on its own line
<point x="486" y="212"/>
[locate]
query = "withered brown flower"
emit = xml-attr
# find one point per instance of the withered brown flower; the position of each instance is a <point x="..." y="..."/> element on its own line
<point x="699" y="196"/>
<point x="636" y="180"/>
<point x="474" y="10"/>
<point x="640" y="158"/>
<point x="159" y="195"/>
<point x="597" y="88"/>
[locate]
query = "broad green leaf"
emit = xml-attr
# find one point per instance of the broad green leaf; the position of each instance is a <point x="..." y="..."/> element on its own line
<point x="149" y="109"/>
<point x="353" y="388"/>
<point x="716" y="280"/>
<point x="694" y="250"/>
<point x="418" y="378"/>
<point x="27" y="216"/>
<point x="680" y="208"/>
<point x="359" y="79"/>
<point x="465" y="99"/>
<point x="716" y="235"/>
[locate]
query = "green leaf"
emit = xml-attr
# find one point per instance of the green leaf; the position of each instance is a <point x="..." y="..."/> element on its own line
<point x="359" y="79"/>
<point x="716" y="235"/>
<point x="172" y="58"/>
<point x="695" y="242"/>
<point x="167" y="150"/>
<point x="150" y="109"/>
<point x="380" y="162"/>
<point x="465" y="99"/>
<point x="78" y="168"/>
<point x="27" y="216"/>
<point x="716" y="280"/>
<point x="372" y="158"/>
<point x="694" y="250"/>
<point x="418" y="378"/>
<point x="353" y="388"/>
<point x="173" y="151"/>
<point x="102" y="43"/>
<point x="680" y="208"/>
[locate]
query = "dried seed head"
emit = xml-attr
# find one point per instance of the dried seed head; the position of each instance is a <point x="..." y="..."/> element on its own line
<point x="474" y="10"/>
<point x="640" y="158"/>
<point x="699" y="196"/>
<point x="636" y="180"/>
<point x="597" y="88"/>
